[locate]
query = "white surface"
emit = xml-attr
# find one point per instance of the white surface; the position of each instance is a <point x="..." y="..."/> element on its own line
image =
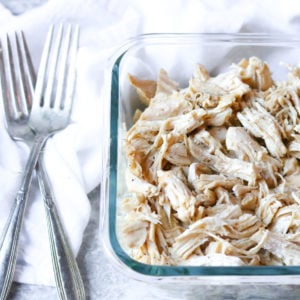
<point x="104" y="25"/>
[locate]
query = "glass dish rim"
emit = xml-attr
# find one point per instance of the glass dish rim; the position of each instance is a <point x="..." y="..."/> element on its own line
<point x="259" y="38"/>
<point x="111" y="190"/>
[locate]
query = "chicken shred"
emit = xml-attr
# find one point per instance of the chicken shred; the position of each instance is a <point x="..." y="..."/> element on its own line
<point x="213" y="169"/>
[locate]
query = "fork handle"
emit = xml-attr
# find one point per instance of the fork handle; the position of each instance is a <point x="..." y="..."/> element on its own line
<point x="11" y="233"/>
<point x="67" y="276"/>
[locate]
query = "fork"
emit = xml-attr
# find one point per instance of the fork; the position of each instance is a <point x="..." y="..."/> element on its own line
<point x="53" y="99"/>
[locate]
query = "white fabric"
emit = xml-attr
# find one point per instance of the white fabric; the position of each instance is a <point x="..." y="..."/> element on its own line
<point x="73" y="156"/>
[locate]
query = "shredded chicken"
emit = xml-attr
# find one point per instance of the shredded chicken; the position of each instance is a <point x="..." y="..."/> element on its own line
<point x="145" y="88"/>
<point x="213" y="173"/>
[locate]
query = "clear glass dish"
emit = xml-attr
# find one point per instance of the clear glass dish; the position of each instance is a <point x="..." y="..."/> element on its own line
<point x="178" y="53"/>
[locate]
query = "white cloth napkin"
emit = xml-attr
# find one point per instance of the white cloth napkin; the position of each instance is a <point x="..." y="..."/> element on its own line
<point x="73" y="156"/>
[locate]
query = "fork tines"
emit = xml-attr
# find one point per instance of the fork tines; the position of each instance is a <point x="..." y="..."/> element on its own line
<point x="61" y="43"/>
<point x="16" y="82"/>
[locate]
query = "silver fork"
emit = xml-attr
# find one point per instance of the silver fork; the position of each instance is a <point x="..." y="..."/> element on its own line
<point x="53" y="99"/>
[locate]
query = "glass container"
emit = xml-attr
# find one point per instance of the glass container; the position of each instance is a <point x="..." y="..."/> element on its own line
<point x="144" y="56"/>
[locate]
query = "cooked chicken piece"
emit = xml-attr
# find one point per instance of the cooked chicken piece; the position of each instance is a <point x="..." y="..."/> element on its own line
<point x="185" y="245"/>
<point x="293" y="84"/>
<point x="214" y="90"/>
<point x="132" y="203"/>
<point x="249" y="255"/>
<point x="138" y="185"/>
<point x="136" y="227"/>
<point x="262" y="125"/>
<point x="268" y="259"/>
<point x="249" y="201"/>
<point x="137" y="115"/>
<point x="246" y="225"/>
<point x="156" y="243"/>
<point x="275" y="243"/>
<point x="186" y="123"/>
<point x="146" y="130"/>
<point x="206" y="198"/>
<point x="154" y="161"/>
<point x="168" y="148"/>
<point x="225" y="211"/>
<point x="223" y="196"/>
<point x="170" y="225"/>
<point x="217" y="247"/>
<point x="219" y="133"/>
<point x="279" y="101"/>
<point x="297" y="128"/>
<point x="246" y="148"/>
<point x="223" y="164"/>
<point x="294" y="149"/>
<point x="292" y="181"/>
<point x="225" y="225"/>
<point x="145" y="88"/>
<point x="240" y="189"/>
<point x="165" y="85"/>
<point x="255" y="73"/>
<point x="247" y="195"/>
<point x="293" y="237"/>
<point x="263" y="189"/>
<point x="177" y="152"/>
<point x="181" y="173"/>
<point x="211" y="228"/>
<point x="134" y="161"/>
<point x="244" y="244"/>
<point x="201" y="73"/>
<point x="143" y="230"/>
<point x="181" y="198"/>
<point x="145" y="255"/>
<point x="295" y="195"/>
<point x="221" y="248"/>
<point x="287" y="218"/>
<point x="164" y="106"/>
<point x="212" y="181"/>
<point x="268" y="207"/>
<point x="294" y="146"/>
<point x="136" y="158"/>
<point x="243" y="145"/>
<point x="195" y="170"/>
<point x="218" y="118"/>
<point x="206" y="141"/>
<point x="135" y="231"/>
<point x="236" y="168"/>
